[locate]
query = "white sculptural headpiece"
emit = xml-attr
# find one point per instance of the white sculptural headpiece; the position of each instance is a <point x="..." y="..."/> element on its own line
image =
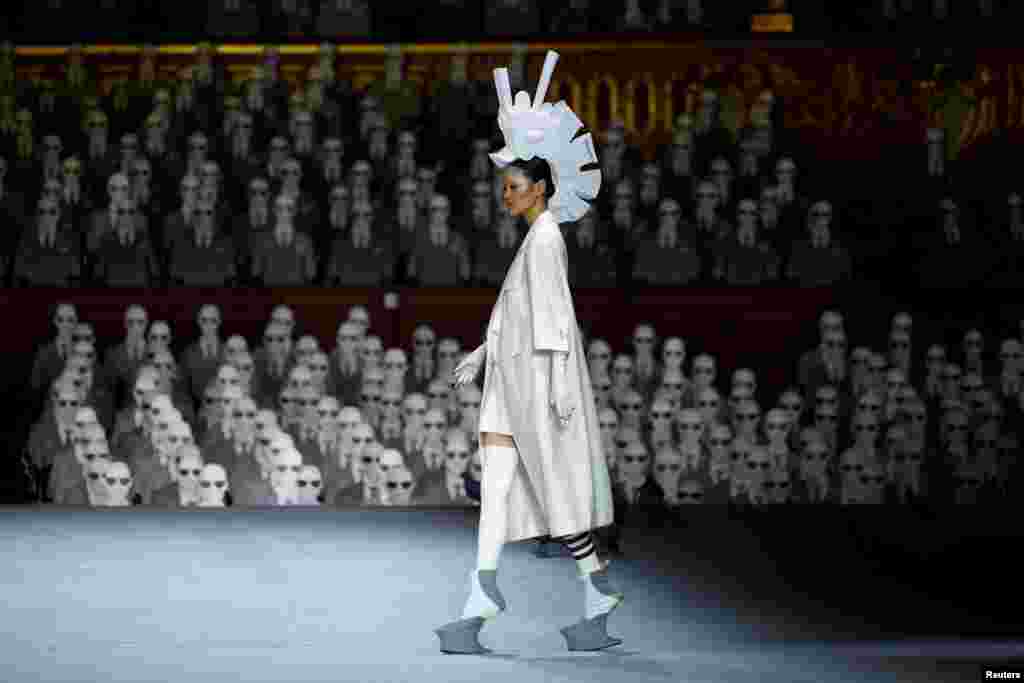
<point x="554" y="133"/>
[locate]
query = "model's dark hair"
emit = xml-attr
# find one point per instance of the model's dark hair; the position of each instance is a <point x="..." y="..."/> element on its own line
<point x="536" y="169"/>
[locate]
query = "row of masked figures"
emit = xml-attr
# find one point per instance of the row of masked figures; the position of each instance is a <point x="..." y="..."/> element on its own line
<point x="391" y="390"/>
<point x="951" y="435"/>
<point x="247" y="426"/>
<point x="252" y="458"/>
<point x="855" y="426"/>
<point x="729" y="453"/>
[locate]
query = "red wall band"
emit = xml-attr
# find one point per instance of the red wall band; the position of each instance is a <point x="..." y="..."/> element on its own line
<point x="733" y="325"/>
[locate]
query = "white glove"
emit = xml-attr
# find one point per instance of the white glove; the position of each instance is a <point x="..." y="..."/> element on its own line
<point x="466" y="371"/>
<point x="562" y="401"/>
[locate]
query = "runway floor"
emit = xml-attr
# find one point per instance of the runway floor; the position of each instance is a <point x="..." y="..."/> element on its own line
<point x="287" y="596"/>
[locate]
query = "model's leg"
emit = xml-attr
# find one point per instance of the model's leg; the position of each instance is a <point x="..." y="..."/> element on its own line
<point x="600" y="597"/>
<point x="499" y="459"/>
<point x="583" y="551"/>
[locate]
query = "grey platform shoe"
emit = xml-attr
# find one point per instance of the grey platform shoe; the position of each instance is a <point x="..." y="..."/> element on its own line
<point x="461" y="637"/>
<point x="592" y="634"/>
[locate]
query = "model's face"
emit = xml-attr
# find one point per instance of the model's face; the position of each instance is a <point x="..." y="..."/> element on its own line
<point x="518" y="193"/>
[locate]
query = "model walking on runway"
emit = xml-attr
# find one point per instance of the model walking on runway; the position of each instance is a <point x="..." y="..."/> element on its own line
<point x="544" y="470"/>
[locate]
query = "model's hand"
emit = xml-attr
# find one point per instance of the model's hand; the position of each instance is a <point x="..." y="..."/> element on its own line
<point x="562" y="400"/>
<point x="466" y="371"/>
<point x="564" y="407"/>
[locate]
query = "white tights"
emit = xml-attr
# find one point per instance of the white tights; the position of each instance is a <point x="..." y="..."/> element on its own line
<point x="499" y="468"/>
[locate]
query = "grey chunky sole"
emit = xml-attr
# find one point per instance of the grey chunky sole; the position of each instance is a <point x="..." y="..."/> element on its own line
<point x="589" y="635"/>
<point x="460" y="637"/>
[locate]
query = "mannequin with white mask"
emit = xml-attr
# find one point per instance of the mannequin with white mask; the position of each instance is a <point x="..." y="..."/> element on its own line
<point x="70" y="467"/>
<point x="310" y="486"/>
<point x="95" y="482"/>
<point x="441" y="257"/>
<point x="213" y="487"/>
<point x="361" y="259"/>
<point x="179" y="223"/>
<point x="496" y="251"/>
<point x="119" y="481"/>
<point x="332" y="171"/>
<point x="285" y="257"/>
<point x="49" y="257"/>
<point x="284" y="477"/>
<point x="668" y="256"/>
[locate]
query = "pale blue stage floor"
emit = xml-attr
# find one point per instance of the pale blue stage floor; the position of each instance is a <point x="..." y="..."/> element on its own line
<point x="287" y="596"/>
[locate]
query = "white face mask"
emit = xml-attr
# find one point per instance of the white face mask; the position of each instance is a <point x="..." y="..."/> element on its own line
<point x="188" y="483"/>
<point x="213" y="485"/>
<point x="635" y="471"/>
<point x="119" y="481"/>
<point x="439" y="233"/>
<point x="284" y="232"/>
<point x="399" y="487"/>
<point x="309" y="485"/>
<point x="285" y="473"/>
<point x="96" y="484"/>
<point x="746" y="236"/>
<point x="820" y="236"/>
<point x="667" y="470"/>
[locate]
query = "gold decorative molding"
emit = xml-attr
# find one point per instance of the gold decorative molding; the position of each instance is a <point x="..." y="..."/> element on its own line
<point x="254" y="50"/>
<point x="645" y="85"/>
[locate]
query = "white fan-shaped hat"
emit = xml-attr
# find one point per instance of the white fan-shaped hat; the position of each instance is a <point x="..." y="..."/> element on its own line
<point x="554" y="133"/>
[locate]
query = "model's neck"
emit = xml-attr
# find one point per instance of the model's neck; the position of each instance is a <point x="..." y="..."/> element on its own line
<point x="534" y="212"/>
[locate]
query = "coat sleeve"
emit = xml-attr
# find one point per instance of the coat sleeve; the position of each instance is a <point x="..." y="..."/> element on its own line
<point x="550" y="300"/>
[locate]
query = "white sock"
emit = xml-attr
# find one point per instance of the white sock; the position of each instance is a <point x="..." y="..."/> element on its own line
<point x="595" y="602"/>
<point x="478" y="604"/>
<point x="589" y="564"/>
<point x="499" y="467"/>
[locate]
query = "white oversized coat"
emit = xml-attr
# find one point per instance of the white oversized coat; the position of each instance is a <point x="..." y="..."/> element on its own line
<point x="561" y="485"/>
